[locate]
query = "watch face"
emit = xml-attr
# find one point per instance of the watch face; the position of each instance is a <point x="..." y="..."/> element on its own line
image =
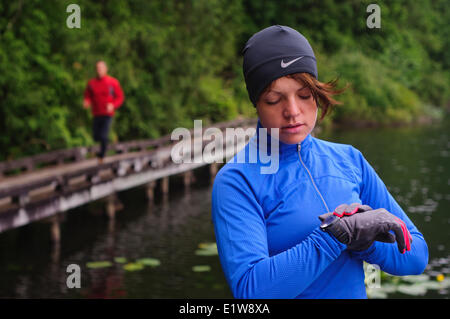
<point x="328" y="221"/>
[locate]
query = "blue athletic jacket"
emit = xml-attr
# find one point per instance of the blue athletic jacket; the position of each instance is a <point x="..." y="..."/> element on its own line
<point x="267" y="226"/>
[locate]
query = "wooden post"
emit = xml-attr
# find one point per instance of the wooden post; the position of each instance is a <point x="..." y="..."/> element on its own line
<point x="165" y="185"/>
<point x="188" y="179"/>
<point x="55" y="231"/>
<point x="213" y="168"/>
<point x="111" y="227"/>
<point x="150" y="188"/>
<point x="111" y="206"/>
<point x="56" y="252"/>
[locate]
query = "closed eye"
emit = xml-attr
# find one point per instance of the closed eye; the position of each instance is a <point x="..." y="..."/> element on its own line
<point x="272" y="102"/>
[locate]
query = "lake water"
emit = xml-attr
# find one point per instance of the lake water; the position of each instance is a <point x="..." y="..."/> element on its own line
<point x="412" y="161"/>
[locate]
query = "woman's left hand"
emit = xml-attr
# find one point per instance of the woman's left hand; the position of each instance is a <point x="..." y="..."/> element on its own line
<point x="359" y="226"/>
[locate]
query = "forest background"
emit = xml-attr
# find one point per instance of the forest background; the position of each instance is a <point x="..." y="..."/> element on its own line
<point x="182" y="60"/>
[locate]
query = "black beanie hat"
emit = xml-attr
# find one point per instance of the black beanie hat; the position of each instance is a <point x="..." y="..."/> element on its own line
<point x="274" y="52"/>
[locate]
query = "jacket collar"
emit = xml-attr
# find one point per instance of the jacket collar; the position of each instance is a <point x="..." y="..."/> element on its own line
<point x="285" y="150"/>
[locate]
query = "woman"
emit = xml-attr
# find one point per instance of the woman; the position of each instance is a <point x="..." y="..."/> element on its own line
<point x="276" y="234"/>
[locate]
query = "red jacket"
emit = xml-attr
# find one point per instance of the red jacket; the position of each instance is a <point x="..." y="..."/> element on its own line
<point x="101" y="91"/>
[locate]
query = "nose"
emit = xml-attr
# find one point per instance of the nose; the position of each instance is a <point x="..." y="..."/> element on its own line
<point x="291" y="108"/>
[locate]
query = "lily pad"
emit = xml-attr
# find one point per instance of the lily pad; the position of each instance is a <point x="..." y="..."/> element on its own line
<point x="433" y="285"/>
<point x="98" y="264"/>
<point x="201" y="268"/>
<point x="445" y="283"/>
<point x="206" y="252"/>
<point x="416" y="279"/>
<point x="120" y="260"/>
<point x="413" y="290"/>
<point x="207" y="249"/>
<point x="375" y="293"/>
<point x="388" y="288"/>
<point x="152" y="262"/>
<point x="207" y="245"/>
<point x="133" y="266"/>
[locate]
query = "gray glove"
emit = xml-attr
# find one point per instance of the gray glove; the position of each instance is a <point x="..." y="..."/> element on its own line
<point x="358" y="226"/>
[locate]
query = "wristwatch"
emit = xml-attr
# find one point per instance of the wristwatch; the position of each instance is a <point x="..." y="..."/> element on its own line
<point x="330" y="220"/>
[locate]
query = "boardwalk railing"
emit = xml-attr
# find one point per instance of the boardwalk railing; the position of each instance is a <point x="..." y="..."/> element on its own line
<point x="58" y="181"/>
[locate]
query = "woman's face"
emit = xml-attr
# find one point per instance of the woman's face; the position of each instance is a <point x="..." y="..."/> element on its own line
<point x="289" y="106"/>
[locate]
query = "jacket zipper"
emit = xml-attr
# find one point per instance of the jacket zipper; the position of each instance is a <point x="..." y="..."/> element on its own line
<point x="310" y="176"/>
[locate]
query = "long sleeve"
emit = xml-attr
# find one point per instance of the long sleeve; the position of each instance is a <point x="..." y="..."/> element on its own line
<point x="118" y="95"/>
<point x="241" y="237"/>
<point x="375" y="194"/>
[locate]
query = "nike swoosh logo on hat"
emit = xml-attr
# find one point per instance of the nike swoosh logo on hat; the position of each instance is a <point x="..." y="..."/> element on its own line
<point x="285" y="65"/>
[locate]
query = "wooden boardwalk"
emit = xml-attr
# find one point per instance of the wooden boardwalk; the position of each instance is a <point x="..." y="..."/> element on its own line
<point x="50" y="183"/>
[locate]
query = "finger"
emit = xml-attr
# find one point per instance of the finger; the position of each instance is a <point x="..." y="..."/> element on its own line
<point x="346" y="210"/>
<point x="399" y="236"/>
<point x="352" y="208"/>
<point x="364" y="208"/>
<point x="353" y="205"/>
<point x="406" y="234"/>
<point x="385" y="238"/>
<point x="340" y="210"/>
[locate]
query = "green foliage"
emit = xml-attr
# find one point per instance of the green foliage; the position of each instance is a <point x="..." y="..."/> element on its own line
<point x="374" y="96"/>
<point x="181" y="60"/>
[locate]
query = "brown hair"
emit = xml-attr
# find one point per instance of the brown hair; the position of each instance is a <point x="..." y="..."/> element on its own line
<point x="321" y="92"/>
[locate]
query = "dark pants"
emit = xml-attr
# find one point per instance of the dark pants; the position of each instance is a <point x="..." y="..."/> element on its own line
<point x="101" y="131"/>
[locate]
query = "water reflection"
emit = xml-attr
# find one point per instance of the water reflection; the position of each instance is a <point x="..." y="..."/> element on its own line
<point x="412" y="162"/>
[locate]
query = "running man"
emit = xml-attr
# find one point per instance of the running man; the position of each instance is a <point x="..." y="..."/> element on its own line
<point x="103" y="95"/>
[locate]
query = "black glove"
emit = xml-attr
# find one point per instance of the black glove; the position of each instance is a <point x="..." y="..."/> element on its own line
<point x="347" y="210"/>
<point x="358" y="226"/>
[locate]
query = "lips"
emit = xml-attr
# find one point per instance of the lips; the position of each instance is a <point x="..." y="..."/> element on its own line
<point x="292" y="128"/>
